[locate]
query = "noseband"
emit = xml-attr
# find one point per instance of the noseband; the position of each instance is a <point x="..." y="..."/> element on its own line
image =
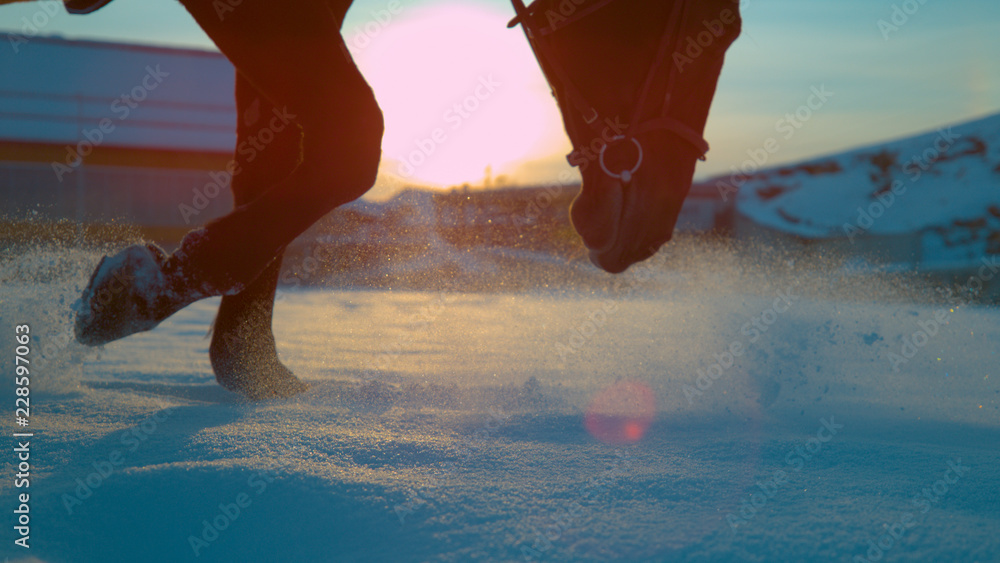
<point x="539" y="40"/>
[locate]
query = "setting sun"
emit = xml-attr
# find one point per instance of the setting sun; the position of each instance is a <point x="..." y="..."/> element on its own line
<point x="459" y="91"/>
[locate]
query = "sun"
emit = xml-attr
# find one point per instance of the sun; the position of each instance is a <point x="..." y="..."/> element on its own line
<point x="459" y="92"/>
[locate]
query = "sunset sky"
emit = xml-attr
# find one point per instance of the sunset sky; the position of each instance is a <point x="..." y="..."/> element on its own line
<point x="937" y="68"/>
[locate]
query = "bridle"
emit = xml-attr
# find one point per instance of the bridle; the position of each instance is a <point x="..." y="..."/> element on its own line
<point x="562" y="83"/>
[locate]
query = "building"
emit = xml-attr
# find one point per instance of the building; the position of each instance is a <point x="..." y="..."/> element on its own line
<point x="96" y="132"/>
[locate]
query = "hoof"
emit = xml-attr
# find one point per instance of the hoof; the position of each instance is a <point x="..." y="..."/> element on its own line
<point x="128" y="293"/>
<point x="256" y="373"/>
<point x="245" y="360"/>
<point x="276" y="384"/>
<point x="133" y="291"/>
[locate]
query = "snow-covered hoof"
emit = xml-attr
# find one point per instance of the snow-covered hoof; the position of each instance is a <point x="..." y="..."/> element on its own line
<point x="129" y="292"/>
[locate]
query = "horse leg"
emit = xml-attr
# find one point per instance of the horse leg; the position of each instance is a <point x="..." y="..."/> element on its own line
<point x="243" y="353"/>
<point x="293" y="54"/>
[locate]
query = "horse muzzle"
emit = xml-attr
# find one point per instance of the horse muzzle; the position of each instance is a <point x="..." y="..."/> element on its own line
<point x="629" y="203"/>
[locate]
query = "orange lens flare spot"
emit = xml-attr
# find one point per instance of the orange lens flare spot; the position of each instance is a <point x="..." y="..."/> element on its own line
<point x="622" y="413"/>
<point x="633" y="431"/>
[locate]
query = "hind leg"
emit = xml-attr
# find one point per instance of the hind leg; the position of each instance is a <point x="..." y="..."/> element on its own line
<point x="243" y="352"/>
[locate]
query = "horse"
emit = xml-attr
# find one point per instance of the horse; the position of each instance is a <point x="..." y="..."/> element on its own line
<point x="634" y="80"/>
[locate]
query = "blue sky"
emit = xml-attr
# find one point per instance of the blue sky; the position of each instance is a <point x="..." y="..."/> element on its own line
<point x="939" y="67"/>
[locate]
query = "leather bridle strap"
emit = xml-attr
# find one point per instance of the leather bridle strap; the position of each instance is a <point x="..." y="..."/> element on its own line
<point x="549" y="66"/>
<point x="675" y="126"/>
<point x="671" y="38"/>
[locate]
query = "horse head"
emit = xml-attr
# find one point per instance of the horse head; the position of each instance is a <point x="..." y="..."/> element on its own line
<point x="634" y="80"/>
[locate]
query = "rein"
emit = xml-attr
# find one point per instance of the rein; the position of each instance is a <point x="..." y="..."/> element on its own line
<point x="671" y="38"/>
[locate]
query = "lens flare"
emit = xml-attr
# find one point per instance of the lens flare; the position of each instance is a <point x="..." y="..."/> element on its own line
<point x="622" y="413"/>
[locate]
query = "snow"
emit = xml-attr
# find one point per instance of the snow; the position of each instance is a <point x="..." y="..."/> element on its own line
<point x="450" y="426"/>
<point x="943" y="184"/>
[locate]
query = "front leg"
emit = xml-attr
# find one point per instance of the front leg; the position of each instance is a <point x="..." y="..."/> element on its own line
<point x="243" y="353"/>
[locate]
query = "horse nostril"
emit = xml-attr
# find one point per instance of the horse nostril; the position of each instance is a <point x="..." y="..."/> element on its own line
<point x="610" y="262"/>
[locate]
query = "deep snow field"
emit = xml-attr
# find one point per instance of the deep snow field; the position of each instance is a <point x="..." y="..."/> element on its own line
<point x="711" y="405"/>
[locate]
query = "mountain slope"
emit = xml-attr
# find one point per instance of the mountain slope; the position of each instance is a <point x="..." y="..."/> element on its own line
<point x="943" y="186"/>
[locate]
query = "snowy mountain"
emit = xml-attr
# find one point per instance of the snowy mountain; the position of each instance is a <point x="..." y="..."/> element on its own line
<point x="931" y="200"/>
